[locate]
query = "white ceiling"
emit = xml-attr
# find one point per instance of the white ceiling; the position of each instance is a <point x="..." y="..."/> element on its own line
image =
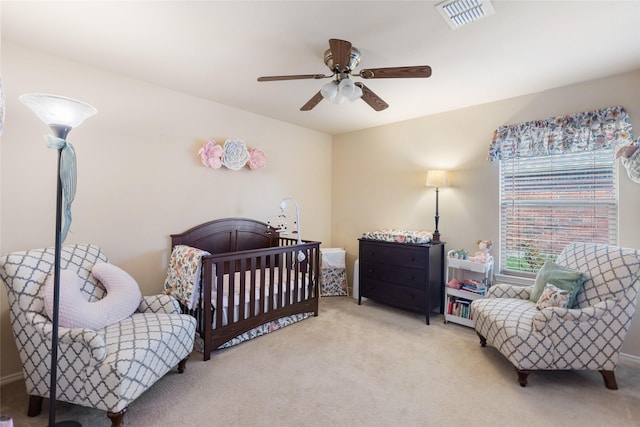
<point x="217" y="49"/>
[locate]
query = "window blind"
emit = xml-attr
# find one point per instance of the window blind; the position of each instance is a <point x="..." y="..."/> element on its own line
<point x="550" y="201"/>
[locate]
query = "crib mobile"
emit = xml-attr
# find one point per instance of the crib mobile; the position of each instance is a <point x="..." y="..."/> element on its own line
<point x="280" y="223"/>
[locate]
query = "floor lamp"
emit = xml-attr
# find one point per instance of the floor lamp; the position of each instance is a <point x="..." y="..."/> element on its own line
<point x="61" y="114"/>
<point x="437" y="179"/>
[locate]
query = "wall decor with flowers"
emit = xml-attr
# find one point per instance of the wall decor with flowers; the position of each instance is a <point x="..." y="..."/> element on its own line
<point x="234" y="154"/>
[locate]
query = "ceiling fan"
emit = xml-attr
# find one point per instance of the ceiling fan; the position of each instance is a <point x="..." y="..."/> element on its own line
<point x="342" y="58"/>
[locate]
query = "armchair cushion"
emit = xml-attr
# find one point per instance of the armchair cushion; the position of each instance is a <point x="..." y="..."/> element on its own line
<point x="508" y="290"/>
<point x="159" y="303"/>
<point x="560" y="276"/>
<point x="121" y="301"/>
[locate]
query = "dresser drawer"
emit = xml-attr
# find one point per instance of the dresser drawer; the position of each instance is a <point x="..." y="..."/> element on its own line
<point x="399" y="296"/>
<point x="393" y="274"/>
<point x="406" y="256"/>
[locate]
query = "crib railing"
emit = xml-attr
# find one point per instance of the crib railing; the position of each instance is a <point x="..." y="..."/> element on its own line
<point x="259" y="285"/>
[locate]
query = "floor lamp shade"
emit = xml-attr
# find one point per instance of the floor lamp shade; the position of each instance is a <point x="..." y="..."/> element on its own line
<point x="437" y="178"/>
<point x="61" y="114"/>
<point x="58" y="111"/>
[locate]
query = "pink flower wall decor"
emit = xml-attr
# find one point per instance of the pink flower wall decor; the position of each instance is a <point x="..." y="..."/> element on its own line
<point x="211" y="155"/>
<point x="234" y="154"/>
<point x="257" y="158"/>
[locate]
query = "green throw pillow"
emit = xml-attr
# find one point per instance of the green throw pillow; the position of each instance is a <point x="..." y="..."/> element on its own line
<point x="562" y="277"/>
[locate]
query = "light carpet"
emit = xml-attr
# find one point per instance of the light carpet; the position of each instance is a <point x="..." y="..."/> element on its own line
<point x="368" y="365"/>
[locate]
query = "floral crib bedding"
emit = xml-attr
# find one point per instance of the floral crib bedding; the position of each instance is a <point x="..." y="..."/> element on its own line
<point x="183" y="282"/>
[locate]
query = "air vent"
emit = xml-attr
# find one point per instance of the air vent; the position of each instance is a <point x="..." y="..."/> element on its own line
<point x="458" y="13"/>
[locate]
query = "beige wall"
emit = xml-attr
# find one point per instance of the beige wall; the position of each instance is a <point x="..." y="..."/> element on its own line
<point x="379" y="173"/>
<point x="139" y="179"/>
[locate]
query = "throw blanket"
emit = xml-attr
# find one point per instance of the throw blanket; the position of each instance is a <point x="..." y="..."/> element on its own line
<point x="183" y="274"/>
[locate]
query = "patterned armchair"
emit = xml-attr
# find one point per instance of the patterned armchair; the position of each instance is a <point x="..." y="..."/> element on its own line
<point x="105" y="369"/>
<point x="588" y="336"/>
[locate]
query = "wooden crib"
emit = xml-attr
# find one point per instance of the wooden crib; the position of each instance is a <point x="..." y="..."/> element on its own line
<point x="265" y="279"/>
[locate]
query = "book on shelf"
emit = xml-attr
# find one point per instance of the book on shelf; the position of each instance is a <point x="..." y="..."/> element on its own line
<point x="459" y="307"/>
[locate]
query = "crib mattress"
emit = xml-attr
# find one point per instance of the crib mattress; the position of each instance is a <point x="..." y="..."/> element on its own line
<point x="273" y="286"/>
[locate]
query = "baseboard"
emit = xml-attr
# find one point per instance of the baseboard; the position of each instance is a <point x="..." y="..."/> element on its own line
<point x="11" y="378"/>
<point x="630" y="358"/>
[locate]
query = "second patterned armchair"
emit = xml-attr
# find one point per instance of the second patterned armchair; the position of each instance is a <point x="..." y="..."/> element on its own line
<point x="588" y="336"/>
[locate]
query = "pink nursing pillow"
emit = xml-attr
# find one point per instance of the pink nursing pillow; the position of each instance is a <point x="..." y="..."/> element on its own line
<point x="121" y="301"/>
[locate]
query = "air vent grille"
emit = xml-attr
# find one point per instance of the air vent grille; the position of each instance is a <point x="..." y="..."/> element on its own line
<point x="458" y="13"/>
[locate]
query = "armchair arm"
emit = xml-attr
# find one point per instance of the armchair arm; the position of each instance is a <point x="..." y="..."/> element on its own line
<point x="90" y="339"/>
<point x="572" y="315"/>
<point x="505" y="290"/>
<point x="159" y="304"/>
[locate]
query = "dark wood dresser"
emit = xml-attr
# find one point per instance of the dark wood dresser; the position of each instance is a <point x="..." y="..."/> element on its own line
<point x="403" y="275"/>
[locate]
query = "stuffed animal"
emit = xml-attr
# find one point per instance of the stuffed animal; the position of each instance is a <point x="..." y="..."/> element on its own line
<point x="483" y="254"/>
<point x="454" y="284"/>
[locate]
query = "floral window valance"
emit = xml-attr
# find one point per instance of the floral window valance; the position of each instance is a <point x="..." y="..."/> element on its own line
<point x="556" y="135"/>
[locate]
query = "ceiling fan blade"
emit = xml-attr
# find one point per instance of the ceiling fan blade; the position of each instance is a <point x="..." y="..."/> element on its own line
<point x="341" y="53"/>
<point x="372" y="99"/>
<point x="315" y="100"/>
<point x="396" y="72"/>
<point x="293" y="77"/>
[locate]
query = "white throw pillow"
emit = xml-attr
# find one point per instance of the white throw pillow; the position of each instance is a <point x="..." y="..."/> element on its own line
<point x="121" y="301"/>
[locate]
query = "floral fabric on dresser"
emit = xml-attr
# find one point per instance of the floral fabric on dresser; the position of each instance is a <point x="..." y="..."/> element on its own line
<point x="183" y="274"/>
<point x="399" y="236"/>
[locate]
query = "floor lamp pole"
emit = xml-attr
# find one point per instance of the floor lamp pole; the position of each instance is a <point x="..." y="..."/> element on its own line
<point x="56" y="301"/>
<point x="60" y="132"/>
<point x="436" y="233"/>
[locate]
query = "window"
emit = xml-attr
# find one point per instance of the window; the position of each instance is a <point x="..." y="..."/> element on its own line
<point x="547" y="202"/>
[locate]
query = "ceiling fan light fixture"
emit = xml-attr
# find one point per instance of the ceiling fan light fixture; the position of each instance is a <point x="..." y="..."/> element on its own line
<point x="458" y="13"/>
<point x="346" y="88"/>
<point x="356" y="94"/>
<point x="338" y="91"/>
<point x="329" y="91"/>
